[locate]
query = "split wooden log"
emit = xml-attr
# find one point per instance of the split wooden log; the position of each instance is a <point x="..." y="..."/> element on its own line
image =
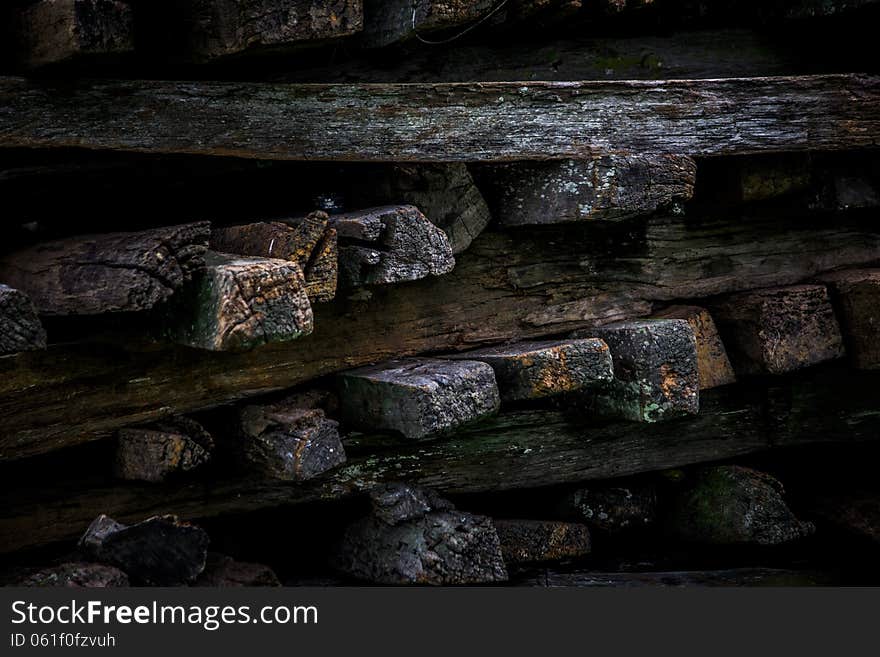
<point x="161" y="450"/>
<point x="112" y="272"/>
<point x="77" y="575"/>
<point x="611" y="509"/>
<point x="655" y="370"/>
<point x="712" y="362"/>
<point x="738" y="577"/>
<point x="439" y="546"/>
<point x="390" y="244"/>
<point x="20" y="328"/>
<point x="537" y="541"/>
<point x="419" y="399"/>
<point x="504" y="288"/>
<point x="731" y="505"/>
<point x="445" y="122"/>
<point x="856" y="298"/>
<point x="512" y="452"/>
<point x="610" y="188"/>
<point x="54" y="31"/>
<point x="239" y="303"/>
<point x="160" y="551"/>
<point x="212" y="29"/>
<point x="533" y="370"/>
<point x="309" y="241"/>
<point x="224" y="572"/>
<point x="289" y="440"/>
<point x="779" y="329"/>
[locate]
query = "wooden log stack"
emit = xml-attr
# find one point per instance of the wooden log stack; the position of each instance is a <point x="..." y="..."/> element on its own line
<point x="491" y="297"/>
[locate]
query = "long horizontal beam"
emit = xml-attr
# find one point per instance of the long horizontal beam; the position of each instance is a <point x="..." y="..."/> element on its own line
<point x="487" y="122"/>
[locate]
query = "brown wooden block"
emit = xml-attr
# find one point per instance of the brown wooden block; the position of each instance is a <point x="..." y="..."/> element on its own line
<point x="712" y="361"/>
<point x="856" y="298"/>
<point x="161" y="450"/>
<point x="535" y="541"/>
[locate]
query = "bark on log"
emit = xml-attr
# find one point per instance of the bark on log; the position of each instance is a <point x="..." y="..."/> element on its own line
<point x="112" y="272"/>
<point x="655" y="370"/>
<point x="239" y="303"/>
<point x="446" y="122"/>
<point x="504" y="288"/>
<point x="53" y="31"/>
<point x="712" y="361"/>
<point x="610" y="188"/>
<point x="159" y="451"/>
<point x="420" y="399"/>
<point x="856" y="298"/>
<point x="537" y="541"/>
<point x="512" y="452"/>
<point x="308" y="241"/>
<point x="779" y="329"/>
<point x="20" y="328"/>
<point x="390" y="244"/>
<point x="533" y="370"/>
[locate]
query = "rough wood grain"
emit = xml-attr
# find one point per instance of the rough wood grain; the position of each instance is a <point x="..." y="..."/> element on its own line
<point x="111" y="272"/>
<point x="504" y="288"/>
<point x="609" y="188"/>
<point x="445" y="122"/>
<point x="527" y="449"/>
<point x="239" y="303"/>
<point x="779" y="329"/>
<point x="856" y="298"/>
<point x="20" y="328"/>
<point x="712" y="361"/>
<point x="53" y="31"/>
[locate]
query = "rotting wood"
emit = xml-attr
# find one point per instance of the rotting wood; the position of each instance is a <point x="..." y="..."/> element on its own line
<point x="779" y="329"/>
<point x="609" y="188"/>
<point x="390" y="244"/>
<point x="239" y="303"/>
<point x="856" y="298"/>
<point x="533" y="370"/>
<point x="511" y="452"/>
<point x="20" y="328"/>
<point x="712" y="361"/>
<point x="456" y="122"/>
<point x="53" y="31"/>
<point x="504" y="288"/>
<point x="111" y="272"/>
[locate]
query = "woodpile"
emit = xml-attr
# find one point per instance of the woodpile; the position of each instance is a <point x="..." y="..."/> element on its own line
<point x="438" y="293"/>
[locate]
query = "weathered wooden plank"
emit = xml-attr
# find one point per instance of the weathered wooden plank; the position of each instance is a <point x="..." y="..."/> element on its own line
<point x="609" y="188"/>
<point x="446" y="122"/>
<point x="856" y="298"/>
<point x="239" y="303"/>
<point x="712" y="361"/>
<point x="504" y="288"/>
<point x="52" y="31"/>
<point x="779" y="329"/>
<point x="20" y="328"/>
<point x="519" y="450"/>
<point x="111" y="272"/>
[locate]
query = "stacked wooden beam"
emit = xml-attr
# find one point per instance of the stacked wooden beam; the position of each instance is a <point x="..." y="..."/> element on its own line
<point x="458" y="324"/>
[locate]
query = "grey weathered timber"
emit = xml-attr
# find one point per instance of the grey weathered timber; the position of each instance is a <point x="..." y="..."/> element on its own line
<point x="609" y="188"/>
<point x="419" y="398"/>
<point x="456" y="122"/>
<point x="212" y="29"/>
<point x="712" y="361"/>
<point x="390" y="244"/>
<point x="289" y="440"/>
<point x="158" y="451"/>
<point x="655" y="370"/>
<point x="506" y="287"/>
<point x="76" y="575"/>
<point x="111" y="272"/>
<point x="856" y="298"/>
<point x="239" y="303"/>
<point x="536" y="541"/>
<point x="682" y="578"/>
<point x="20" y="328"/>
<point x="522" y="450"/>
<point x="730" y="505"/>
<point x="160" y="551"/>
<point x="611" y="508"/>
<point x="532" y="370"/>
<point x="309" y="241"/>
<point x="52" y="31"/>
<point x="779" y="329"/>
<point x="438" y="545"/>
